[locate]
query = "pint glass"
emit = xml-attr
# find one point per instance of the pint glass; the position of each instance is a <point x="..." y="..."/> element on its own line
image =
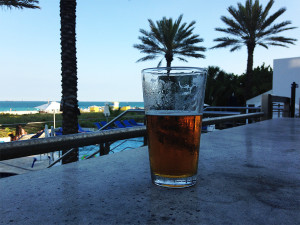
<point x="173" y="100"/>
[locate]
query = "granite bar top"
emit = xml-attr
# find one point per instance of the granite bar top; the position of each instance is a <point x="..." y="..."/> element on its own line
<point x="247" y="175"/>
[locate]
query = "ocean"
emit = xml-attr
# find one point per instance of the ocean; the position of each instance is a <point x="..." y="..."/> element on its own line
<point x="30" y="105"/>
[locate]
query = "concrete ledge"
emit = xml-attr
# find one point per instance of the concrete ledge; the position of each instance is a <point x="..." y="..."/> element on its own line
<point x="247" y="175"/>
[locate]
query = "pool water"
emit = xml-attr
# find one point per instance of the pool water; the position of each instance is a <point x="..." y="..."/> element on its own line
<point x="118" y="146"/>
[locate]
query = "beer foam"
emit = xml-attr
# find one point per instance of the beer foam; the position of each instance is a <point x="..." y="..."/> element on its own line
<point x="172" y="113"/>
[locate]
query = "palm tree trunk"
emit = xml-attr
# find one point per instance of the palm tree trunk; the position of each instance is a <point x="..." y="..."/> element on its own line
<point x="69" y="72"/>
<point x="249" y="72"/>
<point x="168" y="63"/>
<point x="169" y="58"/>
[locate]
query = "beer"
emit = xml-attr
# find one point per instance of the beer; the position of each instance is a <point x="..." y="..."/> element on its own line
<point x="174" y="144"/>
<point x="173" y="101"/>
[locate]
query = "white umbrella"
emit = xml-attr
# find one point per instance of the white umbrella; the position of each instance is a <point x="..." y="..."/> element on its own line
<point x="51" y="107"/>
<point x="106" y="111"/>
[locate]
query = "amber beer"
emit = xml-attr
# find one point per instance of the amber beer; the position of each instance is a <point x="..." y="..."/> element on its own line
<point x="173" y="102"/>
<point x="174" y="144"/>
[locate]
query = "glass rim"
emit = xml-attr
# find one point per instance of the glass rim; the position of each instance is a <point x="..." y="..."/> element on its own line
<point x="170" y="70"/>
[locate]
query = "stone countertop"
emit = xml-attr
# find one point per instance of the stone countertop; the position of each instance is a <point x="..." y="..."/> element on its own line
<point x="247" y="175"/>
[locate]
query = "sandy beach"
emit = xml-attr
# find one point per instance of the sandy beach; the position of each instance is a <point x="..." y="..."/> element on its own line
<point x="19" y="112"/>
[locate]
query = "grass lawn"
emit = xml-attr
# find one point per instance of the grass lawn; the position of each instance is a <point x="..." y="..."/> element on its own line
<point x="33" y="123"/>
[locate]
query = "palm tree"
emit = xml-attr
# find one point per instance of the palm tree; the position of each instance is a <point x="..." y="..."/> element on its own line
<point x="69" y="102"/>
<point x="170" y="40"/>
<point x="252" y="26"/>
<point x="19" y="4"/>
<point x="221" y="87"/>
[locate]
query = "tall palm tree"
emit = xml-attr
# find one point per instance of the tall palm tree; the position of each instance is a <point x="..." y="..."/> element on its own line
<point x="19" y="4"/>
<point x="170" y="39"/>
<point x="251" y="25"/>
<point x="69" y="102"/>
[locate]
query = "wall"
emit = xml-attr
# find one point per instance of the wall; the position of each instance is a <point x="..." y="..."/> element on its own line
<point x="285" y="72"/>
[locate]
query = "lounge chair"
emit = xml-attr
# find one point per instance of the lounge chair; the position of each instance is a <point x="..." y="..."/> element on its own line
<point x="25" y="137"/>
<point x="103" y="123"/>
<point x="40" y="134"/>
<point x="98" y="125"/>
<point x="119" y="124"/>
<point x="127" y="124"/>
<point x="133" y="122"/>
<point x="58" y="131"/>
<point x="80" y="130"/>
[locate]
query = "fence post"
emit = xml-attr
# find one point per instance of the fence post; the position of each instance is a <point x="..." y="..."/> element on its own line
<point x="293" y="98"/>
<point x="286" y="109"/>
<point x="101" y="148"/>
<point x="104" y="148"/>
<point x="266" y="106"/>
<point x="249" y="111"/>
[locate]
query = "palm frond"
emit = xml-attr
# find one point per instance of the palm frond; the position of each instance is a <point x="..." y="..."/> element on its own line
<point x="233" y="25"/>
<point x="225" y="42"/>
<point x="262" y="44"/>
<point x="189" y="48"/>
<point x="170" y="39"/>
<point x="230" y="31"/>
<point x="147" y="34"/>
<point x="148" y="57"/>
<point x="265" y="13"/>
<point x="149" y="42"/>
<point x="277" y="28"/>
<point x="281" y="39"/>
<point x="20" y="4"/>
<point x="239" y="16"/>
<point x="272" y="18"/>
<point x="155" y="31"/>
<point x="182" y="59"/>
<point x="277" y="44"/>
<point x="237" y="47"/>
<point x="159" y="64"/>
<point x="194" y="55"/>
<point x="188" y="42"/>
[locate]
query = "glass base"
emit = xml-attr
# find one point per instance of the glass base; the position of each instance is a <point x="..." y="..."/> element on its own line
<point x="174" y="182"/>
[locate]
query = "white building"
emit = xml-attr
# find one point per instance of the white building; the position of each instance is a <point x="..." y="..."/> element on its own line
<point x="285" y="72"/>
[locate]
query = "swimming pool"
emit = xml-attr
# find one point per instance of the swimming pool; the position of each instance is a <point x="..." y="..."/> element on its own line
<point x="115" y="147"/>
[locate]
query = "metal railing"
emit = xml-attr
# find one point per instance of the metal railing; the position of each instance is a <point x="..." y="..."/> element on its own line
<point x="268" y="101"/>
<point x="15" y="149"/>
<point x="228" y="110"/>
<point x="233" y="118"/>
<point x="18" y="149"/>
<point x="121" y="115"/>
<point x="231" y="107"/>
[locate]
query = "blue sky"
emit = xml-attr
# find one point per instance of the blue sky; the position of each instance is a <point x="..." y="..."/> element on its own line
<point x="106" y="31"/>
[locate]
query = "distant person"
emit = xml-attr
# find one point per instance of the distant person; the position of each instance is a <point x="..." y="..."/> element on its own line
<point x="20" y="131"/>
<point x="12" y="137"/>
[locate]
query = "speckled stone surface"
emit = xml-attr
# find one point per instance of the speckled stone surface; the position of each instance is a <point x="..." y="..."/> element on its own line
<point x="247" y="175"/>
